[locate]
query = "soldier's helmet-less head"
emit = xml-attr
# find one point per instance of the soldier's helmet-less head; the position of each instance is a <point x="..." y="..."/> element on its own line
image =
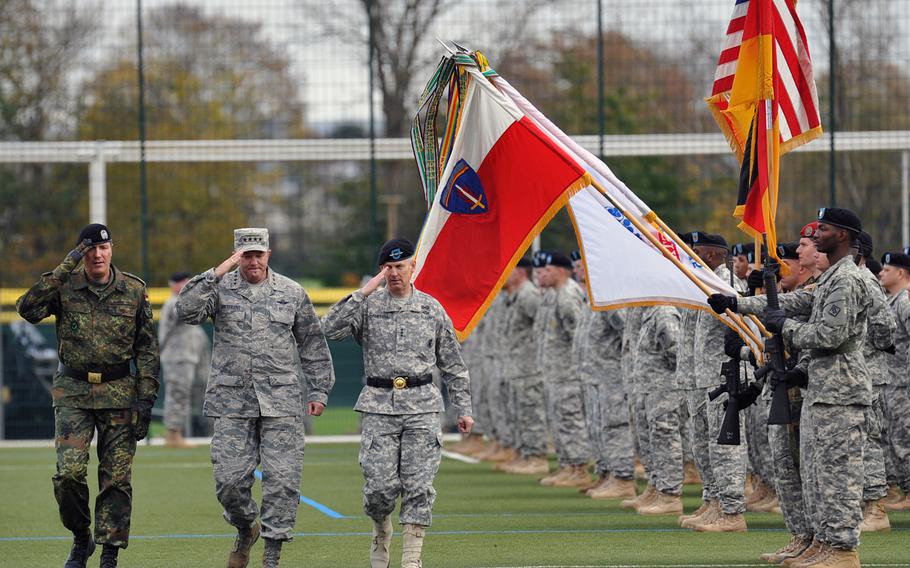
<point x="96" y="233"/>
<point x="251" y="239"/>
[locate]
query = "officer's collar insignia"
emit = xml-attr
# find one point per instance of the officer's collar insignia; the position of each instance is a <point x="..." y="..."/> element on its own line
<point x="463" y="192"/>
<point x="396" y="253"/>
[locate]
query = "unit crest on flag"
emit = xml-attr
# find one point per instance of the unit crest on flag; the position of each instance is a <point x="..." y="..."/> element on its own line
<point x="463" y="192"/>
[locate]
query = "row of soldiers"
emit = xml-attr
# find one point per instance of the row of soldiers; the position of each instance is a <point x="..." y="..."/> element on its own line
<point x="618" y="387"/>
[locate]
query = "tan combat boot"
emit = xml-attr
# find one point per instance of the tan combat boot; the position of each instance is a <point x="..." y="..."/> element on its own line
<point x="749" y="486"/>
<point x="712" y="512"/>
<point x="640" y="472"/>
<point x="412" y="536"/>
<point x="615" y="489"/>
<point x="839" y="558"/>
<point x="577" y="476"/>
<point x="663" y="504"/>
<point x="382" y="540"/>
<point x="175" y="439"/>
<point x="894" y="495"/>
<point x="902" y="505"/>
<point x="469" y="444"/>
<point x="557" y="475"/>
<point x="635" y="502"/>
<point x="790" y="550"/>
<point x="769" y="504"/>
<point x="690" y="474"/>
<point x="759" y="493"/>
<point x="723" y="523"/>
<point x="813" y="551"/>
<point x="875" y="519"/>
<point x="504" y="454"/>
<point x="601" y="480"/>
<point x="529" y="466"/>
<point x="491" y="450"/>
<point x="696" y="513"/>
<point x="239" y="556"/>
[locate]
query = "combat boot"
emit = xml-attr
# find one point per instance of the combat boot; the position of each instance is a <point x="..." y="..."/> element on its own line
<point x="705" y="505"/>
<point x="839" y="558"/>
<point x="83" y="547"/>
<point x="759" y="493"/>
<point x="529" y="466"/>
<point x="488" y="452"/>
<point x="469" y="444"/>
<point x="563" y="471"/>
<point x="875" y="519"/>
<point x="602" y="479"/>
<point x="382" y="540"/>
<point x="812" y="551"/>
<point x="902" y="505"/>
<point x="723" y="523"/>
<point x="690" y="474"/>
<point x="272" y="553"/>
<point x="894" y="495"/>
<point x="790" y="550"/>
<point x="175" y="439"/>
<point x="615" y="489"/>
<point x="662" y="504"/>
<point x="635" y="502"/>
<point x="504" y="454"/>
<point x="712" y="512"/>
<point x="412" y="537"/>
<point x="109" y="556"/>
<point x="240" y="554"/>
<point x="769" y="504"/>
<point x="577" y="476"/>
<point x="640" y="472"/>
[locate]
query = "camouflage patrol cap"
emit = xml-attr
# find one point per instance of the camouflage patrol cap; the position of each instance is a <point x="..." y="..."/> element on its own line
<point x="96" y="232"/>
<point x="250" y="238"/>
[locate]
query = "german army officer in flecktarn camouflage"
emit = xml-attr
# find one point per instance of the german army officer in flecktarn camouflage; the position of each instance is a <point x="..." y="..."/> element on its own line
<point x="267" y="341"/>
<point x="405" y="335"/>
<point x="107" y="382"/>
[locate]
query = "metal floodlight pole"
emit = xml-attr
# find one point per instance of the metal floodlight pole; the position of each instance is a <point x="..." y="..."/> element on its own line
<point x="905" y="198"/>
<point x="374" y="218"/>
<point x="143" y="182"/>
<point x="832" y="95"/>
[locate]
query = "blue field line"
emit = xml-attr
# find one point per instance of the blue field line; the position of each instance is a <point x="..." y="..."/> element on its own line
<point x="314" y="504"/>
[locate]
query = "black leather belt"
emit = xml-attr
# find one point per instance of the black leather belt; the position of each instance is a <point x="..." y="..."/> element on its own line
<point x="399" y="382"/>
<point x="96" y="378"/>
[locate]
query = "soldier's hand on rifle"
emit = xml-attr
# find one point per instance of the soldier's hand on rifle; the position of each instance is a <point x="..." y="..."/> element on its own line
<point x="142" y="412"/>
<point x="374" y="282"/>
<point x="230" y="263"/>
<point x="795" y="378"/>
<point x="72" y="259"/>
<point x="721" y="303"/>
<point x="774" y="320"/>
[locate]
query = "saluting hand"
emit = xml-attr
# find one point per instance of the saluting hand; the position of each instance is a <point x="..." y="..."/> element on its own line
<point x="374" y="282"/>
<point x="465" y="423"/>
<point x="230" y="263"/>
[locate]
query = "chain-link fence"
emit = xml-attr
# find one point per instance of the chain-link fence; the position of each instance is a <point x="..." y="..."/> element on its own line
<point x="291" y="114"/>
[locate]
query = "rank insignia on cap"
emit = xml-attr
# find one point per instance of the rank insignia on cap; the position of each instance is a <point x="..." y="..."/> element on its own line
<point x="396" y="253"/>
<point x="103" y="234"/>
<point x="821" y="213"/>
<point x="464" y="193"/>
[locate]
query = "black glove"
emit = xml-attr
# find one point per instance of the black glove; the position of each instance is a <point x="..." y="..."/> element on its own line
<point x="774" y="320"/>
<point x="796" y="378"/>
<point x="72" y="259"/>
<point x="890" y="349"/>
<point x="720" y="303"/>
<point x="749" y="395"/>
<point x="733" y="343"/>
<point x="755" y="280"/>
<point x="142" y="417"/>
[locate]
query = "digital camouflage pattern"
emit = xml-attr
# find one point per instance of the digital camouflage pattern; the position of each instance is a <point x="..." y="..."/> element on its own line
<point x="239" y="445"/>
<point x="185" y="361"/>
<point x="410" y="339"/>
<point x="473" y="358"/>
<point x="728" y="463"/>
<point x="897" y="407"/>
<point x="399" y="456"/>
<point x="637" y="418"/>
<point x="96" y="330"/>
<point x="695" y="401"/>
<point x="709" y="343"/>
<point x="257" y="342"/>
<point x="494" y="361"/>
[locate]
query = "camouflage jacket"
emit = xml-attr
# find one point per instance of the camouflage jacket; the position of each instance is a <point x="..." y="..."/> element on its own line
<point x="833" y="336"/>
<point x="597" y="347"/>
<point x="709" y="343"/>
<point x="880" y="331"/>
<point x="265" y="345"/>
<point x="685" y="348"/>
<point x="407" y="338"/>
<point x="554" y="327"/>
<point x="655" y="360"/>
<point x="519" y="348"/>
<point x="96" y="331"/>
<point x="900" y="361"/>
<point x="630" y="346"/>
<point x="179" y="342"/>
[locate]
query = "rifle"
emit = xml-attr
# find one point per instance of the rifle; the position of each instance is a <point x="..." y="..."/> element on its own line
<point x="779" y="412"/>
<point x="729" y="428"/>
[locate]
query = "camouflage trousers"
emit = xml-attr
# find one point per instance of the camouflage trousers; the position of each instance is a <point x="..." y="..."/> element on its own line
<point x="759" y="449"/>
<point x="74" y="429"/>
<point x="241" y="444"/>
<point x="641" y="433"/>
<point x="697" y="406"/>
<point x="727" y="462"/>
<point x="831" y="451"/>
<point x="567" y="421"/>
<point x="875" y="484"/>
<point x="181" y="382"/>
<point x="662" y="412"/>
<point x="609" y="433"/>
<point x="531" y="416"/>
<point x="399" y="456"/>
<point x="506" y="416"/>
<point x="479" y="399"/>
<point x="788" y="482"/>
<point x="897" y="414"/>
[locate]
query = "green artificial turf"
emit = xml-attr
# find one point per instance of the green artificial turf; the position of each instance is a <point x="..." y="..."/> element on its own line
<point x="482" y="518"/>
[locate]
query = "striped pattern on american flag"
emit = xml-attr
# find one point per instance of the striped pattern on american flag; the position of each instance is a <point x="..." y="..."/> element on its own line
<point x="798" y="99"/>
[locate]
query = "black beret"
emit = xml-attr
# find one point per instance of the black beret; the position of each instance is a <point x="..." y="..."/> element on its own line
<point x="96" y="232"/>
<point x="743" y="249"/>
<point x="843" y="218"/>
<point x="524" y="262"/>
<point x="900" y="260"/>
<point x="558" y="259"/>
<point x="708" y="240"/>
<point x="873" y="265"/>
<point x="864" y="244"/>
<point x="686" y="238"/>
<point x="787" y="250"/>
<point x="575" y="255"/>
<point x="693" y="238"/>
<point x="395" y="250"/>
<point x="180" y="276"/>
<point x="539" y="258"/>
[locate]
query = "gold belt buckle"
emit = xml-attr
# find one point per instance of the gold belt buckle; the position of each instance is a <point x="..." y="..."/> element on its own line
<point x="94" y="378"/>
<point x="399" y="382"/>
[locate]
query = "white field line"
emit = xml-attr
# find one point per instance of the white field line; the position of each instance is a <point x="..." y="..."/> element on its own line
<point x="459" y="457"/>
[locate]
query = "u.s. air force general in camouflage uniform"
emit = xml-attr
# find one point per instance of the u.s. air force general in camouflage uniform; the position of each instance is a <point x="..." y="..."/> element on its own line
<point x="267" y="340"/>
<point x="102" y="327"/>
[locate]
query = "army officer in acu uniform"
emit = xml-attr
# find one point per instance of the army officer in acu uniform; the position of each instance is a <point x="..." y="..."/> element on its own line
<point x="267" y="341"/>
<point x="104" y="323"/>
<point x="405" y="335"/>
